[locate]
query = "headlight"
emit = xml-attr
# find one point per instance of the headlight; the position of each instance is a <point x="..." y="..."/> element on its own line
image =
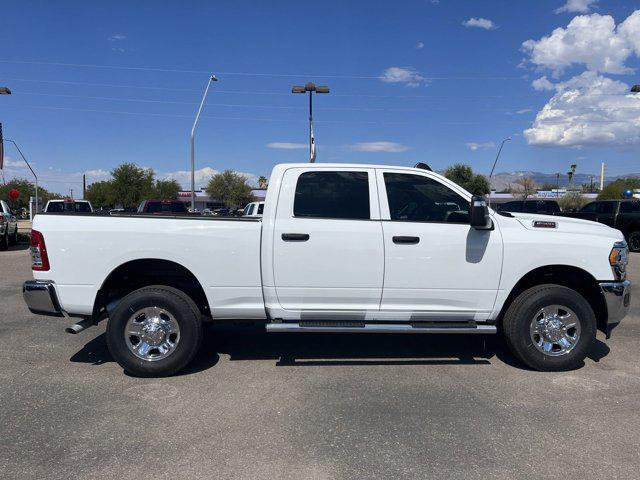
<point x="618" y="258"/>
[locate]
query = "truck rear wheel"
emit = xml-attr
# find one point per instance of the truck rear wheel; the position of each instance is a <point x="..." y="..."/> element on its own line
<point x="154" y="331"/>
<point x="550" y="328"/>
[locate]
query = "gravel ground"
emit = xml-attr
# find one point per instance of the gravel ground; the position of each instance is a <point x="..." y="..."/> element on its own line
<point x="257" y="406"/>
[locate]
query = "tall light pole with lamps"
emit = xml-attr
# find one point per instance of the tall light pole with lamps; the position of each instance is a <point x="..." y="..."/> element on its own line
<point x="34" y="173"/>
<point x="212" y="78"/>
<point x="310" y="87"/>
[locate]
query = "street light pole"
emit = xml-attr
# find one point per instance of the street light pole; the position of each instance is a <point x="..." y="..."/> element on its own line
<point x="311" y="88"/>
<point x="212" y="78"/>
<point x="34" y="173"/>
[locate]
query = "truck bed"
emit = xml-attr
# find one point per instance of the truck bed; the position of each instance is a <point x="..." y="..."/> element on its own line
<point x="223" y="253"/>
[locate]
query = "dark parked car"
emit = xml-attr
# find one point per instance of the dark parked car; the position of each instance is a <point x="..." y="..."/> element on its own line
<point x="548" y="207"/>
<point x="163" y="207"/>
<point x="621" y="214"/>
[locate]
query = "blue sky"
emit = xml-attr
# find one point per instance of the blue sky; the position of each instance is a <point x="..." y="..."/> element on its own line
<point x="96" y="84"/>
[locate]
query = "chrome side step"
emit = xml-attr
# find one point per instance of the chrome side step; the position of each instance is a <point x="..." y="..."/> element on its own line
<point x="361" y="327"/>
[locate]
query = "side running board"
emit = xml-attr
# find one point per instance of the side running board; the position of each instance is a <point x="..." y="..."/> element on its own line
<point x="362" y="327"/>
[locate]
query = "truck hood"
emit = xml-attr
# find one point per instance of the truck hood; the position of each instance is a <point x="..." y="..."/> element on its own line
<point x="567" y="225"/>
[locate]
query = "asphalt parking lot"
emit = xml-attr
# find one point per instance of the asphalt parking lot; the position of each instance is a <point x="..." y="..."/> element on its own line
<point x="257" y="406"/>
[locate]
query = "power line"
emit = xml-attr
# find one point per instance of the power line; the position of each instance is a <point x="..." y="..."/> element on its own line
<point x="432" y="76"/>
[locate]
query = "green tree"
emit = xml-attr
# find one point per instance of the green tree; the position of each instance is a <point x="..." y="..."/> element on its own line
<point x="548" y="186"/>
<point x="614" y="190"/>
<point x="526" y="187"/>
<point x="230" y="188"/>
<point x="130" y="185"/>
<point x="26" y="189"/>
<point x="100" y="194"/>
<point x="464" y="176"/>
<point x="166" y="189"/>
<point x="572" y="201"/>
<point x="262" y="181"/>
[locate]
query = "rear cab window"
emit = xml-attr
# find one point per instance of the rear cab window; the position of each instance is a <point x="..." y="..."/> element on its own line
<point x="333" y="195"/>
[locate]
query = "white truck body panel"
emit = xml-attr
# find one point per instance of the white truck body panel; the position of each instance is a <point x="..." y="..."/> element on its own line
<point x="348" y="268"/>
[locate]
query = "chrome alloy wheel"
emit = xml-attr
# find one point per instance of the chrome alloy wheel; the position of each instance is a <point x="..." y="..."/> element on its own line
<point x="152" y="334"/>
<point x="555" y="330"/>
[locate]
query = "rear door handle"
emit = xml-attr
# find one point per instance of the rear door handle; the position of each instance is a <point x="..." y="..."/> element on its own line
<point x="295" y="237"/>
<point x="406" y="240"/>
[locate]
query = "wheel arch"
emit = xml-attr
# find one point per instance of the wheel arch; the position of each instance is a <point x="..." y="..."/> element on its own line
<point x="134" y="274"/>
<point x="568" y="276"/>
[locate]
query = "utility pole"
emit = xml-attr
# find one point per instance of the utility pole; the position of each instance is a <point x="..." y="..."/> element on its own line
<point x="84" y="186"/>
<point x="212" y="78"/>
<point x="34" y="173"/>
<point x="71" y="192"/>
<point x="310" y="87"/>
<point x="602" y="176"/>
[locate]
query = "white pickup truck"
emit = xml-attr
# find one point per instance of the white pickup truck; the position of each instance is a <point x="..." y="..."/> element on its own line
<point x="340" y="248"/>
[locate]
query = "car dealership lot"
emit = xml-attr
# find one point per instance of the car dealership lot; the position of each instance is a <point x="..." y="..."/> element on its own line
<point x="294" y="406"/>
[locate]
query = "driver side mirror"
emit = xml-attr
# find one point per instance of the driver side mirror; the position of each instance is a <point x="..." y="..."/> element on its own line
<point x="479" y="214"/>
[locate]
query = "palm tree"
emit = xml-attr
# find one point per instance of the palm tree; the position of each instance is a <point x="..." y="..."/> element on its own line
<point x="262" y="182"/>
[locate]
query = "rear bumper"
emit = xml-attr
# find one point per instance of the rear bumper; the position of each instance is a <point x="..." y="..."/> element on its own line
<point x="617" y="298"/>
<point x="40" y="296"/>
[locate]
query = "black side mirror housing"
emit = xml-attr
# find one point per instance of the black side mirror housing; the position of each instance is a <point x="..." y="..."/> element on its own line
<point x="479" y="214"/>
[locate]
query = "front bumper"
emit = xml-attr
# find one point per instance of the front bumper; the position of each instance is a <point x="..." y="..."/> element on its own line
<point x="41" y="298"/>
<point x="617" y="298"/>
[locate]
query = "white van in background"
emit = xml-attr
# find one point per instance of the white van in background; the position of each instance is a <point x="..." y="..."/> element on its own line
<point x="253" y="209"/>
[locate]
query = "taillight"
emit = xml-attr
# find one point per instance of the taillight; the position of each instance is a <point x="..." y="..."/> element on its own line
<point x="39" y="257"/>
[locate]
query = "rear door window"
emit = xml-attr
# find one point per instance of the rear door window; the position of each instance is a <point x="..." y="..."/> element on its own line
<point x="326" y="194"/>
<point x="590" y="207"/>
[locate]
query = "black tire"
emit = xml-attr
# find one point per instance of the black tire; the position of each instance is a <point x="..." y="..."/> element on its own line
<point x="634" y="241"/>
<point x="184" y="311"/>
<point x="520" y="314"/>
<point x="4" y="240"/>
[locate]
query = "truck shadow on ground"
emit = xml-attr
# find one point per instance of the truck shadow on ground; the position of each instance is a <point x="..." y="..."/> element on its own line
<point x="289" y="349"/>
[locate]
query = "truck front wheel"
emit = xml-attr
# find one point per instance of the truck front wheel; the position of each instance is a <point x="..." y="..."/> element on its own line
<point x="550" y="328"/>
<point x="154" y="331"/>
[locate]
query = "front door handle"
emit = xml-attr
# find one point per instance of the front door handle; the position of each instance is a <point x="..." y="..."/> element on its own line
<point x="295" y="237"/>
<point x="406" y="240"/>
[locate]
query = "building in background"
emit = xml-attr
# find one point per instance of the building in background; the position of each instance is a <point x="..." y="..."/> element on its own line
<point x="204" y="201"/>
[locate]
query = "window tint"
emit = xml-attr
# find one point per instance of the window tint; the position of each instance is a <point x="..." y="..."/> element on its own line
<point x="533" y="207"/>
<point x="332" y="195"/>
<point x="511" y="207"/>
<point x="630" y="207"/>
<point x="260" y="208"/>
<point x="420" y="199"/>
<point x="83" y="207"/>
<point x="607" y="207"/>
<point x="552" y="207"/>
<point x="55" y="207"/>
<point x="251" y="208"/>
<point x="166" y="207"/>
<point x="590" y="207"/>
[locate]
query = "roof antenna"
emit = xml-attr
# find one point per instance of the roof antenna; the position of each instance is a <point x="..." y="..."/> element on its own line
<point x="423" y="166"/>
<point x="494" y="166"/>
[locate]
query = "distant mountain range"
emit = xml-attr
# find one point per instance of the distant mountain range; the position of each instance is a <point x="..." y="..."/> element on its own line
<point x="501" y="181"/>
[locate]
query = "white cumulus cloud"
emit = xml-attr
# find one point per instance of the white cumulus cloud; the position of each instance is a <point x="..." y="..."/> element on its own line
<point x="202" y="176"/>
<point x="588" y="109"/>
<point x="473" y="146"/>
<point x="576" y="6"/>
<point x="287" y="145"/>
<point x="406" y="75"/>
<point x="379" y="147"/>
<point x="480" y="23"/>
<point x="542" y="83"/>
<point x="590" y="40"/>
